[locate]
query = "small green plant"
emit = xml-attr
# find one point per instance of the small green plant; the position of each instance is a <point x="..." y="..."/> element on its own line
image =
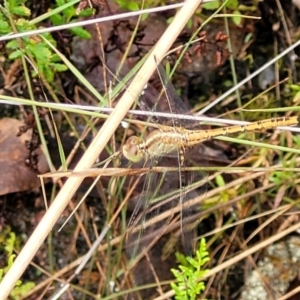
<point x="15" y="17"/>
<point x="8" y="242"/>
<point x="189" y="283"/>
<point x="133" y="5"/>
<point x="295" y="88"/>
<point x="129" y="5"/>
<point x="234" y="6"/>
<point x="69" y="15"/>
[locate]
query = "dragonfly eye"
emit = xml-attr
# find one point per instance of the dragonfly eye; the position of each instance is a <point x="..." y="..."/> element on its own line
<point x="131" y="149"/>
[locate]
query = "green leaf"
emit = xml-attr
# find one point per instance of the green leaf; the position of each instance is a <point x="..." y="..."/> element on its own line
<point x="24" y="25"/>
<point x="57" y="19"/>
<point x="59" y="67"/>
<point x="22" y="290"/>
<point x="86" y="12"/>
<point x="15" y="54"/>
<point x="173" y="285"/>
<point x="133" y="6"/>
<point x="69" y="12"/>
<point x="18" y="283"/>
<point x="252" y="8"/>
<point x="47" y="72"/>
<point x="211" y="5"/>
<point x="13" y="44"/>
<point x="181" y="259"/>
<point x="232" y="4"/>
<point x="296" y="98"/>
<point x="4" y="27"/>
<point x="60" y="2"/>
<point x="296" y="139"/>
<point x="237" y="19"/>
<point x="295" y="87"/>
<point x="20" y="11"/>
<point x="34" y="73"/>
<point x="1" y="274"/>
<point x="170" y="20"/>
<point x="41" y="53"/>
<point x="55" y="58"/>
<point x="50" y="39"/>
<point x="220" y="180"/>
<point x="16" y="2"/>
<point x="80" y="32"/>
<point x="189" y="23"/>
<point x="11" y="260"/>
<point x="193" y="262"/>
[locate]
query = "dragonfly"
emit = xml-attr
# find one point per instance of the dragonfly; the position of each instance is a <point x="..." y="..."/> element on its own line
<point x="166" y="140"/>
<point x="174" y="141"/>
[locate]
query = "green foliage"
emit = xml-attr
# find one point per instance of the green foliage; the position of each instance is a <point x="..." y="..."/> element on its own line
<point x="69" y="14"/>
<point x="5" y="269"/>
<point x="189" y="285"/>
<point x="295" y="88"/>
<point x="17" y="7"/>
<point x="8" y="241"/>
<point x="296" y="140"/>
<point x="285" y="178"/>
<point x="132" y="5"/>
<point x="235" y="8"/>
<point x="45" y="61"/>
<point x="22" y="290"/>
<point x="16" y="16"/>
<point x="129" y="5"/>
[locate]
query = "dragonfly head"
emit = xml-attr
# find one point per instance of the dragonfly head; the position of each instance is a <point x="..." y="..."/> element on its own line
<point x="132" y="149"/>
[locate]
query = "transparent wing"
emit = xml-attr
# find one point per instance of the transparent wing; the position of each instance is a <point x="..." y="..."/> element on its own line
<point x="146" y="216"/>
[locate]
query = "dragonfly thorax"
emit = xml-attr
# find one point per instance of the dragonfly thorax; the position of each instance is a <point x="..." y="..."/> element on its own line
<point x="163" y="143"/>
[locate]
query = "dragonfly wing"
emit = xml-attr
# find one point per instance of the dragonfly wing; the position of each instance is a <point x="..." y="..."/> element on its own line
<point x="139" y="225"/>
<point x="166" y="101"/>
<point x="156" y="210"/>
<point x="173" y="101"/>
<point x="189" y="207"/>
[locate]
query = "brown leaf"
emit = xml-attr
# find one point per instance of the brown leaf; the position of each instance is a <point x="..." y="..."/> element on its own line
<point x="16" y="176"/>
